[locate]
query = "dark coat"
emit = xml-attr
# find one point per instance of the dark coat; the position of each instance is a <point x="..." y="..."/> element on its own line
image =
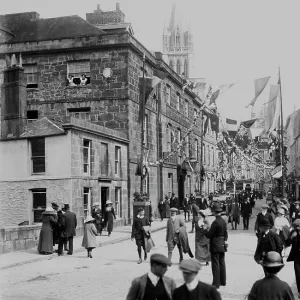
<point x="195" y="210"/>
<point x="137" y="231"/>
<point x="174" y="202"/>
<point x="259" y="218"/>
<point x="275" y="242"/>
<point x="109" y="216"/>
<point x="295" y="242"/>
<point x="247" y="209"/>
<point x="270" y="287"/>
<point x="203" y="204"/>
<point x="97" y="215"/>
<point x="71" y="223"/>
<point x="46" y="233"/>
<point x="218" y="235"/>
<point x="138" y="287"/>
<point x="205" y="291"/>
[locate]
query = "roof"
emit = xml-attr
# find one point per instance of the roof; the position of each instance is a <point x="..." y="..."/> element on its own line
<point x="47" y="29"/>
<point x="42" y="127"/>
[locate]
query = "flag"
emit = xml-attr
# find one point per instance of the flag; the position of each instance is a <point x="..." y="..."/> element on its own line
<point x="160" y="74"/>
<point x="214" y="122"/>
<point x="223" y="88"/>
<point x="231" y="125"/>
<point x="276" y="119"/>
<point x="248" y="123"/>
<point x="271" y="108"/>
<point x="151" y="83"/>
<point x="214" y="97"/>
<point x="260" y="85"/>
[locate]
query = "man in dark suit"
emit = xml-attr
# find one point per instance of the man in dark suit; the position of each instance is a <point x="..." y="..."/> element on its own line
<point x="153" y="285"/>
<point x="193" y="289"/>
<point x="246" y="213"/>
<point x="267" y="241"/>
<point x="186" y="207"/>
<point x="218" y="236"/>
<point x="174" y="201"/>
<point x="70" y="227"/>
<point x="202" y="203"/>
<point x="295" y="211"/>
<point x="263" y="214"/>
<point x="195" y="210"/>
<point x="271" y="287"/>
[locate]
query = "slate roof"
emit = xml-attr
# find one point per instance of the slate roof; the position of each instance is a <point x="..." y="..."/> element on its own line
<point x="47" y="29"/>
<point x="42" y="127"/>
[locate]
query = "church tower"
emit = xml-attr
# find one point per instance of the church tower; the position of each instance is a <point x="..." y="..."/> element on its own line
<point x="178" y="46"/>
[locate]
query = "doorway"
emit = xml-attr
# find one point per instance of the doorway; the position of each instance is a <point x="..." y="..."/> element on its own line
<point x="104" y="197"/>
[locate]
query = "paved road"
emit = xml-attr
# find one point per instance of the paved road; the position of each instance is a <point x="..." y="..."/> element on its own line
<point x="108" y="275"/>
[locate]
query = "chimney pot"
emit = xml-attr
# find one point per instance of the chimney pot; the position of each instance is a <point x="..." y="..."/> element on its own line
<point x="98" y="6"/>
<point x="118" y="6"/>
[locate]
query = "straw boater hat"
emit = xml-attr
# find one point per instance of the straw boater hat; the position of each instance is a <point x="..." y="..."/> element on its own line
<point x="96" y="204"/>
<point x="108" y="202"/>
<point x="49" y="211"/>
<point x="89" y="219"/>
<point x="281" y="211"/>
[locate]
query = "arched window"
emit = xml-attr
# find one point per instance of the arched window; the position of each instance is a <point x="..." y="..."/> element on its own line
<point x="178" y="67"/>
<point x="186" y="71"/>
<point x="171" y="64"/>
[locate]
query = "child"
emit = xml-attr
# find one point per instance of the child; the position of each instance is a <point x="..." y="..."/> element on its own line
<point x="89" y="235"/>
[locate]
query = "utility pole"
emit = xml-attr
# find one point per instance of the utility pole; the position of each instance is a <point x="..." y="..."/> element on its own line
<point x="201" y="145"/>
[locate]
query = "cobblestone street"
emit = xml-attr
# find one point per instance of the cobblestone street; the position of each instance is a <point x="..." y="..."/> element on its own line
<point x="109" y="274"/>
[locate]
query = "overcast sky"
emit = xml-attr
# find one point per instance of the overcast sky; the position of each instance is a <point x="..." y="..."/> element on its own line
<point x="234" y="41"/>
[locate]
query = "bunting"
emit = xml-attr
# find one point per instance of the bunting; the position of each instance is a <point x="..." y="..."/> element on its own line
<point x="271" y="108"/>
<point x="223" y="88"/>
<point x="276" y="119"/>
<point x="248" y="123"/>
<point x="231" y="125"/>
<point x="260" y="85"/>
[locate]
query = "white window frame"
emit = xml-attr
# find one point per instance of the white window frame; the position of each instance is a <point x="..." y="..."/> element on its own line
<point x="80" y="113"/>
<point x="118" y="202"/>
<point x="195" y="113"/>
<point x="39" y="208"/>
<point x="86" y="207"/>
<point x="178" y="135"/>
<point x="104" y="165"/>
<point x="31" y="75"/>
<point x="170" y="184"/>
<point x="188" y="184"/>
<point x="88" y="164"/>
<point x="117" y="160"/>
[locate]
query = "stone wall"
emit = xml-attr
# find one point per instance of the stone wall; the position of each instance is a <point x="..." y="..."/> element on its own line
<point x="19" y="238"/>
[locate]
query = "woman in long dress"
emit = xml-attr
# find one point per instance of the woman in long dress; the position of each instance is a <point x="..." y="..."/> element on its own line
<point x="49" y="220"/>
<point x="89" y="236"/>
<point x="109" y="217"/>
<point x="201" y="241"/>
<point x="282" y="225"/>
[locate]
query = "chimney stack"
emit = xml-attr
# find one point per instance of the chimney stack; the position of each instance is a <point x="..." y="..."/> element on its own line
<point x="98" y="6"/>
<point x="118" y="6"/>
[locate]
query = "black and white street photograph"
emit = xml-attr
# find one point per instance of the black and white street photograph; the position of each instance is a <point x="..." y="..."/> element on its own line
<point x="149" y="150"/>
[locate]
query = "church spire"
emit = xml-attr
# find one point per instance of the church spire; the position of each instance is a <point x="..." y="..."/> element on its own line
<point x="172" y="20"/>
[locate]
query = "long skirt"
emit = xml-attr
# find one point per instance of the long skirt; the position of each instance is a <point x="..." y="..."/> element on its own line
<point x="202" y="252"/>
<point x="45" y="241"/>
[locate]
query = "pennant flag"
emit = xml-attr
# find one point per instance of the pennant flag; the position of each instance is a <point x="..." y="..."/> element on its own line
<point x="276" y="119"/>
<point x="231" y="125"/>
<point x="151" y="83"/>
<point x="214" y="97"/>
<point x="271" y="108"/>
<point x="223" y="88"/>
<point x="260" y="85"/>
<point x="214" y="121"/>
<point x="248" y="123"/>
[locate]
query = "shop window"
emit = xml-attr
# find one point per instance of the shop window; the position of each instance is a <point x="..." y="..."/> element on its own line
<point x="38" y="204"/>
<point x="38" y="155"/>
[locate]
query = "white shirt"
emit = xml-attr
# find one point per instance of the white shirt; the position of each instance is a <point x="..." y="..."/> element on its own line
<point x="153" y="278"/>
<point x="191" y="286"/>
<point x="173" y="217"/>
<point x="280" y="222"/>
<point x="264" y="212"/>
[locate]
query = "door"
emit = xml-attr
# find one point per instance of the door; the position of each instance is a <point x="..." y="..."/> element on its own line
<point x="104" y="197"/>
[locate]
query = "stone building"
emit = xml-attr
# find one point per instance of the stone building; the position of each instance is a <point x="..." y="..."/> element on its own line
<point x="111" y="58"/>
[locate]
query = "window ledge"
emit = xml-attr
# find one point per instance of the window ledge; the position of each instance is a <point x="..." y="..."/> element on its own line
<point x="38" y="174"/>
<point x="78" y="86"/>
<point x="32" y="89"/>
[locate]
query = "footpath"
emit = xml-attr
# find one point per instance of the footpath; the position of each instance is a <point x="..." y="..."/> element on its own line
<point x="120" y="234"/>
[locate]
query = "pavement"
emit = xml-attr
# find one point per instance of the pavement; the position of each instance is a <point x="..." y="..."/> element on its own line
<point x="109" y="273"/>
<point x="120" y="234"/>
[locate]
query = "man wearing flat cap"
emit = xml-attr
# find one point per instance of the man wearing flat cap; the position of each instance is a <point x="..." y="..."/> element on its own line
<point x="271" y="287"/>
<point x="193" y="289"/>
<point x="218" y="236"/>
<point x="267" y="241"/>
<point x="172" y="237"/>
<point x="153" y="285"/>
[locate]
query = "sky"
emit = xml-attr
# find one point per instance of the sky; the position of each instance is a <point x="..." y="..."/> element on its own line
<point x="234" y="41"/>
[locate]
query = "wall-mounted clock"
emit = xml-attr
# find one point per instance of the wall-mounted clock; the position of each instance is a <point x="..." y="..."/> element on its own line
<point x="107" y="72"/>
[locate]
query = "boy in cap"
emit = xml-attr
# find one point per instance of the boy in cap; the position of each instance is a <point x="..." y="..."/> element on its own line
<point x="271" y="287"/>
<point x="263" y="214"/>
<point x="153" y="285"/>
<point x="267" y="241"/>
<point x="193" y="289"/>
<point x="172" y="237"/>
<point x="218" y="236"/>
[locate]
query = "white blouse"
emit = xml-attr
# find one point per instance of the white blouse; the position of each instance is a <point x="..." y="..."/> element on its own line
<point x="280" y="222"/>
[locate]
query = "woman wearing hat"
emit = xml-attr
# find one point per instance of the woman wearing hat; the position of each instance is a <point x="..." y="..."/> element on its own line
<point x="89" y="235"/>
<point x="201" y="241"/>
<point x="49" y="220"/>
<point x="109" y="216"/>
<point x="282" y="225"/>
<point x="97" y="215"/>
<point x="294" y="255"/>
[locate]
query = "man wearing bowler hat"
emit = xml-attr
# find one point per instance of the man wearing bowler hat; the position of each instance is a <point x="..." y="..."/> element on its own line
<point x="264" y="214"/>
<point x="271" y="287"/>
<point x="218" y="236"/>
<point x="267" y="241"/>
<point x="172" y="237"/>
<point x="70" y="227"/>
<point x="153" y="285"/>
<point x="193" y="289"/>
